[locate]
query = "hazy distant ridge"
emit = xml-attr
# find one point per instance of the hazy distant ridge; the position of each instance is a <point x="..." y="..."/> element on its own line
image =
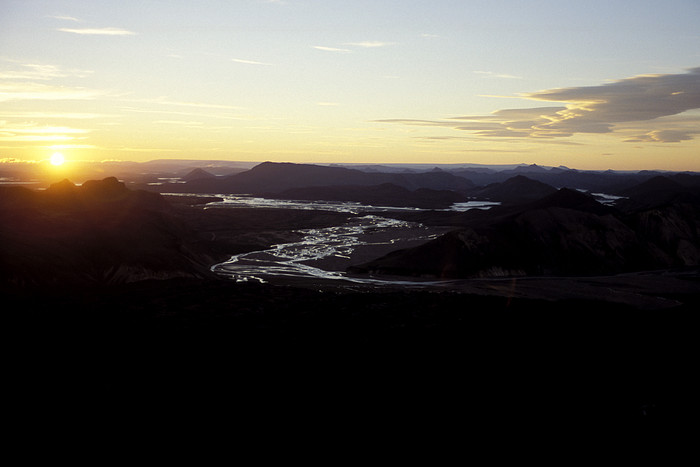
<point x="271" y="177"/>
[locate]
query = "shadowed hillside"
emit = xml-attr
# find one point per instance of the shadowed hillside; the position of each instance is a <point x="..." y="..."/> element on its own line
<point x="567" y="233"/>
<point x="386" y="194"/>
<point x="99" y="232"/>
<point x="271" y="178"/>
<point x="518" y="189"/>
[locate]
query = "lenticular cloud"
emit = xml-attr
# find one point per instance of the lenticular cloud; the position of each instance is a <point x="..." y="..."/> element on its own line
<point x="607" y="108"/>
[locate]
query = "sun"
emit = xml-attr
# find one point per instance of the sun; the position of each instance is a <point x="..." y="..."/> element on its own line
<point x="57" y="158"/>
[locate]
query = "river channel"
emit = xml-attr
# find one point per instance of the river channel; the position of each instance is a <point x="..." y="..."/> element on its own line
<point x="324" y="254"/>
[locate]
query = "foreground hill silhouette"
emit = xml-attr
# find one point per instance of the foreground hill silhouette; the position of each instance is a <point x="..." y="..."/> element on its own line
<point x="113" y="314"/>
<point x="99" y="232"/>
<point x="566" y="233"/>
<point x="102" y="233"/>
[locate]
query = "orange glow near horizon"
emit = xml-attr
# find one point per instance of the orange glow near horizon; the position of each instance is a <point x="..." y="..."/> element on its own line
<point x="447" y="83"/>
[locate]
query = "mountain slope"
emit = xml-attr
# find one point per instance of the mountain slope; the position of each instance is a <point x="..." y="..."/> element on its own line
<point x="98" y="233"/>
<point x="386" y="194"/>
<point x="563" y="234"/>
<point x="518" y="189"/>
<point x="272" y="177"/>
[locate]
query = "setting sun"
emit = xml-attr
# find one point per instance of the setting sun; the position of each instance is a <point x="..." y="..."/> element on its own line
<point x="57" y="158"/>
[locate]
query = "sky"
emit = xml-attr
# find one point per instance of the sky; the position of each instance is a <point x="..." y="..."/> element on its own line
<point x="590" y="85"/>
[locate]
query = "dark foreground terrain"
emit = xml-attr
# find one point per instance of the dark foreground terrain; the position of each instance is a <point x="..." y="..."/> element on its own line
<point x="161" y="338"/>
<point x="340" y="357"/>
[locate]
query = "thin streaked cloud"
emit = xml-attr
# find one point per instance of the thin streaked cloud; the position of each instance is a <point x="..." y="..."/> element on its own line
<point x="99" y="31"/>
<point x="30" y="132"/>
<point x="178" y="122"/>
<point x="14" y="91"/>
<point x="167" y="101"/>
<point x="42" y="72"/>
<point x="250" y="62"/>
<point x="54" y="115"/>
<point x="65" y="18"/>
<point x="331" y="49"/>
<point x="35" y="129"/>
<point x="34" y="138"/>
<point x="370" y="44"/>
<point x="491" y="74"/>
<point x="58" y="147"/>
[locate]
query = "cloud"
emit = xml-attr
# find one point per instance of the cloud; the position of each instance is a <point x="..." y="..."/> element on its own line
<point x="615" y="107"/>
<point x="166" y="101"/>
<point x="663" y="136"/>
<point x="13" y="91"/>
<point x="370" y="44"/>
<point x="331" y="49"/>
<point x="35" y="129"/>
<point x="53" y="115"/>
<point x="99" y="31"/>
<point x="58" y="147"/>
<point x="33" y="138"/>
<point x="179" y="122"/>
<point x="37" y="71"/>
<point x="363" y="44"/>
<point x="249" y="62"/>
<point x="491" y="74"/>
<point x="597" y="109"/>
<point x="66" y="18"/>
<point x="30" y="132"/>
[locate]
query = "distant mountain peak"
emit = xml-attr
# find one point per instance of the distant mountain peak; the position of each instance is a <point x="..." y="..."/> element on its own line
<point x="571" y="199"/>
<point x="198" y="173"/>
<point x="530" y="168"/>
<point x="63" y="186"/>
<point x="516" y="189"/>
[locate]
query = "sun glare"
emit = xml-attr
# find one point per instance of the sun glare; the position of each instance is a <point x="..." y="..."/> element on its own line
<point x="57" y="158"/>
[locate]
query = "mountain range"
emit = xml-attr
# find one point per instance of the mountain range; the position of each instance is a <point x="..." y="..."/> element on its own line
<point x="511" y="185"/>
<point x="104" y="232"/>
<point x="565" y="233"/>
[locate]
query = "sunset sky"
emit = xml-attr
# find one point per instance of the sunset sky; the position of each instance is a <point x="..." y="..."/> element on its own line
<point x="586" y="84"/>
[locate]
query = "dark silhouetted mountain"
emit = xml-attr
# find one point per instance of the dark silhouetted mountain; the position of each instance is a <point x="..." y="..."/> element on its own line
<point x="97" y="233"/>
<point x="690" y="180"/>
<point x="567" y="233"/>
<point x="198" y="174"/>
<point x="657" y="191"/>
<point x="386" y="194"/>
<point x="518" y="189"/>
<point x="558" y="177"/>
<point x="532" y="168"/>
<point x="271" y="177"/>
<point x="657" y="184"/>
<point x="571" y="199"/>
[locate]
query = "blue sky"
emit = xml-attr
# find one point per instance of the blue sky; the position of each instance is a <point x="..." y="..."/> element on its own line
<point x="611" y="84"/>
